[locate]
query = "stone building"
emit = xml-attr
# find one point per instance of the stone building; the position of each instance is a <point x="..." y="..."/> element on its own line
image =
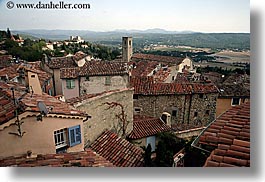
<point x="93" y="77"/>
<point x="102" y="116"/>
<point x="127" y="49"/>
<point x="188" y="105"/>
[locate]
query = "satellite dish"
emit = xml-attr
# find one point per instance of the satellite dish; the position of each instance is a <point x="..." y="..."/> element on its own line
<point x="42" y="107"/>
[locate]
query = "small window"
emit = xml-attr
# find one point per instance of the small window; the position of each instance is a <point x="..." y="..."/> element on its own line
<point x="87" y="78"/>
<point x="74" y="134"/>
<point x="135" y="97"/>
<point x="173" y="78"/>
<point x="32" y="76"/>
<point x="70" y="84"/>
<point x="207" y="112"/>
<point x="107" y="81"/>
<point x="201" y="96"/>
<point x="195" y="114"/>
<point x="137" y="110"/>
<point x="235" y="101"/>
<point x="174" y="113"/>
<point x="60" y="138"/>
<point x="130" y="43"/>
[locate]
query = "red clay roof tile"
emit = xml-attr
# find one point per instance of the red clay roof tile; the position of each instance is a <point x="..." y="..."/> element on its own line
<point x="233" y="138"/>
<point x="147" y="127"/>
<point x="87" y="158"/>
<point x="117" y="150"/>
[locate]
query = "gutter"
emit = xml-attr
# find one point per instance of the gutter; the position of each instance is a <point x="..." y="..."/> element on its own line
<point x="195" y="142"/>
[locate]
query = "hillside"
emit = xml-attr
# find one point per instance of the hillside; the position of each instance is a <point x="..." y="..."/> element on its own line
<point x="239" y="41"/>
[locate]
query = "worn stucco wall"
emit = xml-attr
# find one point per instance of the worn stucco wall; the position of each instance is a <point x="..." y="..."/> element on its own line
<point x="58" y="82"/>
<point x="104" y="118"/>
<point x="223" y="104"/>
<point x="97" y="84"/>
<point x="70" y="93"/>
<point x="39" y="136"/>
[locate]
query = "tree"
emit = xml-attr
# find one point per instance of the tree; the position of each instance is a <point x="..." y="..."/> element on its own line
<point x="148" y="162"/>
<point x="168" y="145"/>
<point x="8" y="33"/>
<point x="194" y="157"/>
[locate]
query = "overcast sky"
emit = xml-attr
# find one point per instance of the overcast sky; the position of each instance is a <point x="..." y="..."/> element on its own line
<point x="107" y="15"/>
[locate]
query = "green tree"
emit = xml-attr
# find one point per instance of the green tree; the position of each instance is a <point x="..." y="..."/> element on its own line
<point x="148" y="162"/>
<point x="8" y="33"/>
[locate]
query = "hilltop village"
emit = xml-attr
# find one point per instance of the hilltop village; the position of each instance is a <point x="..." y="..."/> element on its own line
<point x="137" y="110"/>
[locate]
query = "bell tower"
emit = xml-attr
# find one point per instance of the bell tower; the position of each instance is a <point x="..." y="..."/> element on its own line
<point x="127" y="49"/>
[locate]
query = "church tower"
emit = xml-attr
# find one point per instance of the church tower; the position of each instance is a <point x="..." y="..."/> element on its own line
<point x="127" y="49"/>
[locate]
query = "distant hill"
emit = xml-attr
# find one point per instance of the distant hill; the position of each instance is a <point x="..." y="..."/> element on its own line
<point x="151" y="36"/>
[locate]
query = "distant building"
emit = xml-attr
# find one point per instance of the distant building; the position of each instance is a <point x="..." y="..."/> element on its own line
<point x="76" y="39"/>
<point x="127" y="49"/>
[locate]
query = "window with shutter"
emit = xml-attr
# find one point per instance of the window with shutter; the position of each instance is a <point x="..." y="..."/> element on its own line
<point x="70" y="84"/>
<point x="74" y="134"/>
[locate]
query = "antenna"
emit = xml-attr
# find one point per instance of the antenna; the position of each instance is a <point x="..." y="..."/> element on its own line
<point x="42" y="107"/>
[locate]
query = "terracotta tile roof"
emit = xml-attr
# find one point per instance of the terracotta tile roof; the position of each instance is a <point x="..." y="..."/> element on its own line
<point x="69" y="73"/>
<point x="237" y="78"/>
<point x="56" y="106"/>
<point x="19" y="89"/>
<point x="10" y="72"/>
<point x="30" y="100"/>
<point x="235" y="85"/>
<point x="143" y="68"/>
<point x="161" y="75"/>
<point x="7" y="108"/>
<point x="147" y="127"/>
<point x="87" y="158"/>
<point x="144" y="86"/>
<point x="13" y="71"/>
<point x="79" y="55"/>
<point x="229" y="135"/>
<point x="96" y="68"/>
<point x="152" y="57"/>
<point x="181" y="78"/>
<point x="118" y="151"/>
<point x="62" y="62"/>
<point x="36" y="68"/>
<point x="234" y="90"/>
<point x="5" y="60"/>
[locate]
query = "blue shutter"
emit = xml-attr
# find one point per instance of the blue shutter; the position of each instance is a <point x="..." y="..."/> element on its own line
<point x="74" y="135"/>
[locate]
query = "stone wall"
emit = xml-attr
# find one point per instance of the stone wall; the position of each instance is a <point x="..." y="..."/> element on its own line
<point x="189" y="109"/>
<point x="98" y="84"/>
<point x="104" y="118"/>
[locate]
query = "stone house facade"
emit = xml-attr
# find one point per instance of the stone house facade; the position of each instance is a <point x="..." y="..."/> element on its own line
<point x="94" y="77"/>
<point x="189" y="105"/>
<point x="102" y="117"/>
